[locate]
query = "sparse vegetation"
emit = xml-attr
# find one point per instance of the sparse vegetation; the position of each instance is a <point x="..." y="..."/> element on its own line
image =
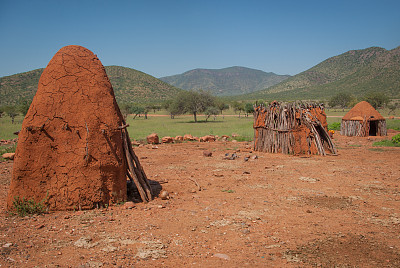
<point x="334" y="126"/>
<point x="25" y="207"/>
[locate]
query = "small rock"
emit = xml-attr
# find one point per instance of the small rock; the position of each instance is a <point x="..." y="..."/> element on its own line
<point x="164" y="195"/>
<point x="129" y="205"/>
<point x="7" y="245"/>
<point x="253" y="157"/>
<point x="179" y="138"/>
<point x="207" y="153"/>
<point x="208" y="138"/>
<point x="222" y="256"/>
<point x="246" y="159"/>
<point x="246" y="172"/>
<point x="167" y="139"/>
<point x="9" y="156"/>
<point x="153" y="139"/>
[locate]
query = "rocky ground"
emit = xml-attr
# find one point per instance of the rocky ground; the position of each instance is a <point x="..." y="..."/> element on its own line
<point x="272" y="210"/>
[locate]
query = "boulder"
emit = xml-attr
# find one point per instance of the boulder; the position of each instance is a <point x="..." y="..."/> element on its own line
<point x="188" y="137"/>
<point x="208" y="138"/>
<point x="153" y="139"/>
<point x="9" y="156"/>
<point x="70" y="151"/>
<point x="179" y="138"/>
<point x="167" y="139"/>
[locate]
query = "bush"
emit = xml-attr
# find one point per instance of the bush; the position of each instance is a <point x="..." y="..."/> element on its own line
<point x="25" y="207"/>
<point x="334" y="126"/>
<point x="396" y="139"/>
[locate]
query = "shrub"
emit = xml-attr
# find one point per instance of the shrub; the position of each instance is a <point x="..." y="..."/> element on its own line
<point x="396" y="139"/>
<point x="25" y="207"/>
<point x="334" y="126"/>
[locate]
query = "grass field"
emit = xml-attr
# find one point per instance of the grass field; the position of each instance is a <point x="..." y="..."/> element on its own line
<point x="165" y="126"/>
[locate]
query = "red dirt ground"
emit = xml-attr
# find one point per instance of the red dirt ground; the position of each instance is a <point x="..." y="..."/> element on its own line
<point x="274" y="211"/>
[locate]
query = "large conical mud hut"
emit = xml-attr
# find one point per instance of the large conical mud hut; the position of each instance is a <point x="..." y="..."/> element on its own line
<point x="292" y="128"/>
<point x="362" y="121"/>
<point x="73" y="149"/>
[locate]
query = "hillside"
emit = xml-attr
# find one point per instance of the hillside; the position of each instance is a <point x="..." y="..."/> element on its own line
<point x="225" y="82"/>
<point x="356" y="72"/>
<point x="129" y="86"/>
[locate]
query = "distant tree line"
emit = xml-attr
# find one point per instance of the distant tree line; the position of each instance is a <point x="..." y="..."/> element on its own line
<point x="376" y="99"/>
<point x="13" y="110"/>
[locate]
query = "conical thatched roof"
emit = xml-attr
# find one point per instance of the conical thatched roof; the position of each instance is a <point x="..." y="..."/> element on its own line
<point x="363" y="110"/>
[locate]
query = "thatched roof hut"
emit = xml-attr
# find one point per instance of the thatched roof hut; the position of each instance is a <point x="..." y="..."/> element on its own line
<point x="292" y="128"/>
<point x="363" y="120"/>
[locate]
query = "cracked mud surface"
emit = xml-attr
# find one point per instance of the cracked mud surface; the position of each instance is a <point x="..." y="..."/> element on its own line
<point x="274" y="211"/>
<point x="70" y="149"/>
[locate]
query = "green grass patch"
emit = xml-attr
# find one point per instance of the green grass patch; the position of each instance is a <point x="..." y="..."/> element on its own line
<point x="7" y="128"/>
<point x="334" y="126"/>
<point x="393" y="124"/>
<point x="140" y="128"/>
<point x="394" y="142"/>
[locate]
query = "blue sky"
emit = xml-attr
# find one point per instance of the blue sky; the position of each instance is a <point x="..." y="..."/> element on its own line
<point x="169" y="37"/>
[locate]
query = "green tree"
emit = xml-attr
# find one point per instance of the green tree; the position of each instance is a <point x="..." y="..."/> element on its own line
<point x="248" y="108"/>
<point x="221" y="105"/>
<point x="341" y="100"/>
<point x="12" y="112"/>
<point x="392" y="107"/>
<point x="211" y="111"/>
<point x="2" y="111"/>
<point x="23" y="107"/>
<point x="377" y="99"/>
<point x="193" y="102"/>
<point x="238" y="107"/>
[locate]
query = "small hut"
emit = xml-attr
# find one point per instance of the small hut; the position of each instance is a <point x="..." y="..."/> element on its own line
<point x="292" y="128"/>
<point x="362" y="121"/>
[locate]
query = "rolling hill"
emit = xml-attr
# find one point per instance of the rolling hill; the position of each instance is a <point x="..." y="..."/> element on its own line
<point x="129" y="86"/>
<point x="357" y="72"/>
<point x="225" y="82"/>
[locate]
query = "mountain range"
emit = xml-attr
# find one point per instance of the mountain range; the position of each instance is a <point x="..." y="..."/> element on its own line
<point x="225" y="82"/>
<point x="357" y="72"/>
<point x="129" y="86"/>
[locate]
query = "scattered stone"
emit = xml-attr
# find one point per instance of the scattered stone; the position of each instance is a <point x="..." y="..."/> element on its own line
<point x="167" y="139"/>
<point x="153" y="139"/>
<point x="154" y="147"/>
<point x="152" y="249"/>
<point x="208" y="138"/>
<point x="188" y="137"/>
<point x="222" y="256"/>
<point x="254" y="157"/>
<point x="308" y="179"/>
<point x="129" y="205"/>
<point x="135" y="143"/>
<point x="7" y="245"/>
<point x="246" y="159"/>
<point x="207" y="153"/>
<point x="164" y="195"/>
<point x="9" y="156"/>
<point x="246" y="172"/>
<point x="85" y="242"/>
<point x="179" y="138"/>
<point x="109" y="248"/>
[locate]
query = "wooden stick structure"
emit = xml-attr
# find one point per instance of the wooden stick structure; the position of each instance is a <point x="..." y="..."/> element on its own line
<point x="292" y="128"/>
<point x="135" y="170"/>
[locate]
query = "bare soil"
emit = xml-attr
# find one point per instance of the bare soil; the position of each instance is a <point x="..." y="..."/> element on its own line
<point x="273" y="211"/>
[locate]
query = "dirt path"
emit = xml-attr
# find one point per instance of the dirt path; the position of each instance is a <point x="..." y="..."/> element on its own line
<point x="273" y="211"/>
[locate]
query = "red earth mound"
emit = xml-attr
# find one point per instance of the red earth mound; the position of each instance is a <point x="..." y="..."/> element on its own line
<point x="70" y="150"/>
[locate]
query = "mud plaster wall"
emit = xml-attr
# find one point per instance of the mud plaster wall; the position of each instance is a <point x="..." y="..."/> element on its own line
<point x="70" y="148"/>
